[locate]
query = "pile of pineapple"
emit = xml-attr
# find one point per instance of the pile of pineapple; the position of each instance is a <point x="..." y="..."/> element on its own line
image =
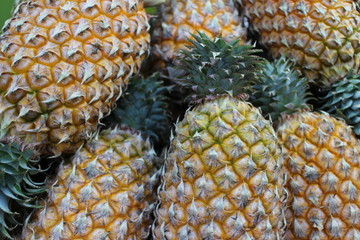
<point x="180" y="119"/>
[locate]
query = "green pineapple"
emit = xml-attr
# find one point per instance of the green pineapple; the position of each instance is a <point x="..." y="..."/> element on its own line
<point x="343" y="100"/>
<point x="281" y="89"/>
<point x="145" y="101"/>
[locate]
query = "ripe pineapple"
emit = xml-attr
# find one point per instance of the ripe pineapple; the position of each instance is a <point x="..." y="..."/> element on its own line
<point x="321" y="36"/>
<point x="181" y="18"/>
<point x="321" y="159"/>
<point x="222" y="177"/>
<point x="63" y="65"/>
<point x="108" y="189"/>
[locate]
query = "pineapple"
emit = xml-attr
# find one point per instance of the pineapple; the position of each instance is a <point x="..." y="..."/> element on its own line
<point x="343" y="100"/>
<point x="107" y="191"/>
<point x="63" y="65"/>
<point x="321" y="36"/>
<point x="181" y="18"/>
<point x="321" y="159"/>
<point x="223" y="175"/>
<point x="176" y="21"/>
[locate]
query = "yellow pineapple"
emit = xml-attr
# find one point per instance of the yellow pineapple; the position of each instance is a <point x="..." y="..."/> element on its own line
<point x="321" y="36"/>
<point x="321" y="159"/>
<point x="63" y="65"/>
<point x="107" y="191"/>
<point x="223" y="173"/>
<point x="180" y="18"/>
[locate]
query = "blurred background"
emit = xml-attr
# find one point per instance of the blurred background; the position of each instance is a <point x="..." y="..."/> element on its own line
<point x="5" y="9"/>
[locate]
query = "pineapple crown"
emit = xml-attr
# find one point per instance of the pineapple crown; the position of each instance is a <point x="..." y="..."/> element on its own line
<point x="214" y="67"/>
<point x="144" y="107"/>
<point x="343" y="100"/>
<point x="16" y="185"/>
<point x="281" y="89"/>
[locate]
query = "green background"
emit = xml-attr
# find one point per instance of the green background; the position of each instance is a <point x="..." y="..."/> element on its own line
<point x="5" y="9"/>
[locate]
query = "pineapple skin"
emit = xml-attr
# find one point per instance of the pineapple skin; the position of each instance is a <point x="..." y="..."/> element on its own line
<point x="106" y="192"/>
<point x="223" y="176"/>
<point x="63" y="65"/>
<point x="323" y="166"/>
<point x="322" y="37"/>
<point x="181" y="18"/>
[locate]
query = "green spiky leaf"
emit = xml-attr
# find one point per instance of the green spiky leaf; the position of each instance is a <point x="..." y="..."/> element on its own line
<point x="4" y="203"/>
<point x="144" y="107"/>
<point x="214" y="66"/>
<point x="281" y="89"/>
<point x="343" y="100"/>
<point x="16" y="185"/>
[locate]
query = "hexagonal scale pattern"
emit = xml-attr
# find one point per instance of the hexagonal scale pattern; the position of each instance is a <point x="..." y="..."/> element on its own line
<point x="222" y="177"/>
<point x="323" y="166"/>
<point x="63" y="65"/>
<point x="106" y="192"/>
<point x="321" y="36"/>
<point x="180" y="18"/>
